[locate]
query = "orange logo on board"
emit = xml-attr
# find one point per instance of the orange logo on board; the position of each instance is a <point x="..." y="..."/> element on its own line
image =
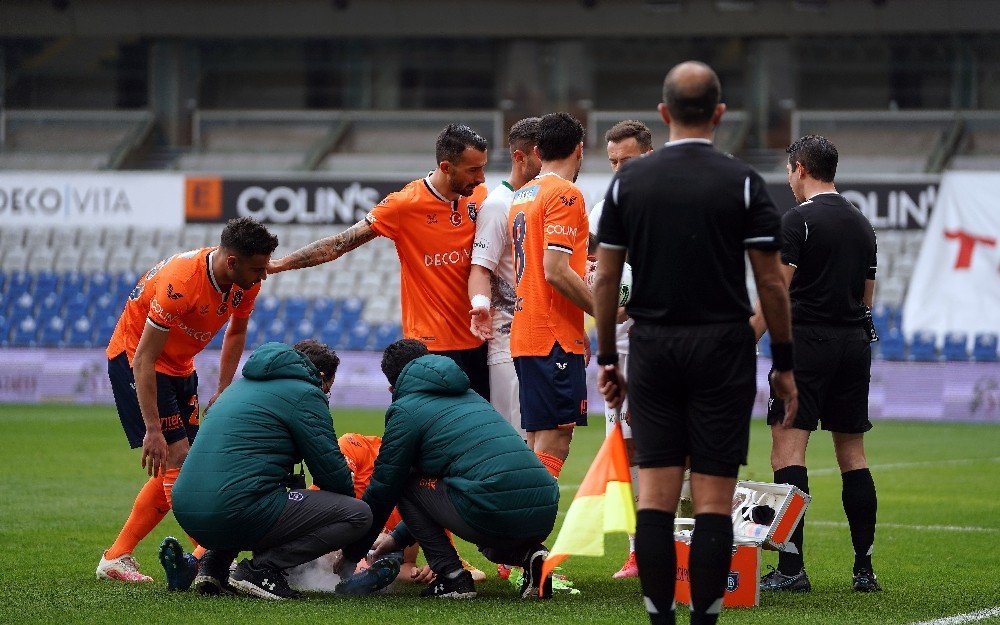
<point x="203" y="199"/>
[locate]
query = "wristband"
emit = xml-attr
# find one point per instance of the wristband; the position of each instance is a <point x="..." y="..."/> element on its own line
<point x="607" y="359"/>
<point x="480" y="301"/>
<point x="782" y="356"/>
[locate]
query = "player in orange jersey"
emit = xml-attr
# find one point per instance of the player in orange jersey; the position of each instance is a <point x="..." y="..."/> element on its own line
<point x="432" y="223"/>
<point x="549" y="232"/>
<point x="360" y="452"/>
<point x="171" y="315"/>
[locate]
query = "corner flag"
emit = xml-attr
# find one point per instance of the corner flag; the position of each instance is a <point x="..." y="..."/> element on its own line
<point x="602" y="504"/>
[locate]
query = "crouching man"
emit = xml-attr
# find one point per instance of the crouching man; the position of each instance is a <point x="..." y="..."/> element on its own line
<point x="233" y="494"/>
<point x="449" y="461"/>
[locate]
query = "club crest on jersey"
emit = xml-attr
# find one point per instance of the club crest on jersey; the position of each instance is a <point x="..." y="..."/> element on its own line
<point x="237" y="298"/>
<point x="456" y="218"/>
<point x="473" y="211"/>
<point x="223" y="309"/>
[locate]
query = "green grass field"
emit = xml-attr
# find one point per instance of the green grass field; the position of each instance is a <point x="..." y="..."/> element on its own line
<point x="67" y="481"/>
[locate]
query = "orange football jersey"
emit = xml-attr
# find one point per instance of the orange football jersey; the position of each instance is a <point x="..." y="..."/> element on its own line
<point x="547" y="213"/>
<point x="182" y="296"/>
<point x="433" y="238"/>
<point x="360" y="452"/>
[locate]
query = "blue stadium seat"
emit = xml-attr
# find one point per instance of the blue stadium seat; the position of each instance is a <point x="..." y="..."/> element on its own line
<point x="350" y="311"/>
<point x="75" y="304"/>
<point x="358" y="339"/>
<point x="71" y="282"/>
<point x="3" y="280"/>
<point x="892" y="345"/>
<point x="323" y="310"/>
<point x="126" y="281"/>
<point x="764" y="345"/>
<point x="330" y="335"/>
<point x="275" y="331"/>
<point x="80" y="334"/>
<point x="216" y="342"/>
<point x="50" y="306"/>
<point x="23" y="305"/>
<point x="106" y="304"/>
<point x="4" y="329"/>
<point x="45" y="283"/>
<point x="304" y="329"/>
<point x="985" y="347"/>
<point x="956" y="346"/>
<point x="18" y="282"/>
<point x="922" y="347"/>
<point x="882" y="318"/>
<point x="295" y="310"/>
<point x="105" y="327"/>
<point x="99" y="282"/>
<point x="51" y="334"/>
<point x="24" y="333"/>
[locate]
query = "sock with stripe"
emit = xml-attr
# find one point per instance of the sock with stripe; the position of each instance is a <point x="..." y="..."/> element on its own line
<point x="711" y="557"/>
<point x="656" y="558"/>
<point x="860" y="505"/>
<point x="148" y="510"/>
<point x="169" y="477"/>
<point x="791" y="563"/>
<point x="553" y="464"/>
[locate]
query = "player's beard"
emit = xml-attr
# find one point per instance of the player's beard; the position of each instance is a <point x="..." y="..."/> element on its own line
<point x="465" y="191"/>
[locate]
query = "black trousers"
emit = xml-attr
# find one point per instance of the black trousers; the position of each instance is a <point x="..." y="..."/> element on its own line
<point x="428" y="511"/>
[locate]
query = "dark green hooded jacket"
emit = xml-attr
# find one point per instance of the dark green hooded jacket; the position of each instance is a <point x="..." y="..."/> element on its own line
<point x="438" y="427"/>
<point x="230" y="490"/>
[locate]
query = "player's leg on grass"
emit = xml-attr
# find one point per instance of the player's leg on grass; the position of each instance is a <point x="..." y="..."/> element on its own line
<point x="659" y="492"/>
<point x="860" y="505"/>
<point x="552" y="447"/>
<point x="788" y="460"/>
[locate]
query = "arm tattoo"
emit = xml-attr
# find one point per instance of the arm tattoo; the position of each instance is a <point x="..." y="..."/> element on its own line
<point x="331" y="248"/>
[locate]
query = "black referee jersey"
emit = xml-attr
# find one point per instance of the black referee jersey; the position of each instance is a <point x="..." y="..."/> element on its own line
<point x="832" y="247"/>
<point x="686" y="213"/>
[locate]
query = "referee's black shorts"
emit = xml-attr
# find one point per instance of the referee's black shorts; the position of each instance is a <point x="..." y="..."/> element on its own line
<point x="691" y="391"/>
<point x="833" y="367"/>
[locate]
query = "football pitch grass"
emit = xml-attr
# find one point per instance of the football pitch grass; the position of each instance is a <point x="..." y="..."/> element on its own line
<point x="67" y="482"/>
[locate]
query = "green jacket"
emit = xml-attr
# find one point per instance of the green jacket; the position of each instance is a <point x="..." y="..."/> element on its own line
<point x="437" y="427"/>
<point x="230" y="490"/>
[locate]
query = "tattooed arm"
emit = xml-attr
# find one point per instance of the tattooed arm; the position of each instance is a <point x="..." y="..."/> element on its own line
<point x="325" y="250"/>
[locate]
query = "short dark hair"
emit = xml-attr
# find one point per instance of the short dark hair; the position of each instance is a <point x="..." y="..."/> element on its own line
<point x="324" y="358"/>
<point x="453" y="140"/>
<point x="523" y="135"/>
<point x="400" y="354"/>
<point x="692" y="102"/>
<point x="558" y="136"/>
<point x="631" y="129"/>
<point x="818" y="155"/>
<point x="247" y="237"/>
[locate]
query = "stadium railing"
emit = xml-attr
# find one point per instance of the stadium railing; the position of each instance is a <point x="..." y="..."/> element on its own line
<point x="70" y="140"/>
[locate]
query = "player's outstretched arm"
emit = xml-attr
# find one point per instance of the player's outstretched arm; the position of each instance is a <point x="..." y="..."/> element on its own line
<point x="325" y="250"/>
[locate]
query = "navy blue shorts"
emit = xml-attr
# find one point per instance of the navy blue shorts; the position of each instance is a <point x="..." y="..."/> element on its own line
<point x="176" y="400"/>
<point x="553" y="390"/>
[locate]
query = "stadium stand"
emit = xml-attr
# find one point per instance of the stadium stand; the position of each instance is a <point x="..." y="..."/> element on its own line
<point x="985" y="348"/>
<point x="923" y="347"/>
<point x="979" y="146"/>
<point x="70" y="140"/>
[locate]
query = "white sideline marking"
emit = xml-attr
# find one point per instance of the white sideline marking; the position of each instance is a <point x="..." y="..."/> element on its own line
<point x="919" y="528"/>
<point x="906" y="465"/>
<point x="978" y="615"/>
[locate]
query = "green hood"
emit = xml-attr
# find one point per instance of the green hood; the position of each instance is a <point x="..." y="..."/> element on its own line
<point x="277" y="361"/>
<point x="434" y="374"/>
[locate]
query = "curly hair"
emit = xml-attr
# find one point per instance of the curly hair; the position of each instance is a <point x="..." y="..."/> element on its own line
<point x="247" y="237"/>
<point x="324" y="358"/>
<point x="398" y="355"/>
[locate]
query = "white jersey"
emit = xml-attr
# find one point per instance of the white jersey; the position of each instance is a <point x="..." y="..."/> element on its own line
<point x="492" y="250"/>
<point x="621" y="330"/>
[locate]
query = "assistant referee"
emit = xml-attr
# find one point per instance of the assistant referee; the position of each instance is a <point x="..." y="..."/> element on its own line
<point x="685" y="215"/>
<point x="828" y="257"/>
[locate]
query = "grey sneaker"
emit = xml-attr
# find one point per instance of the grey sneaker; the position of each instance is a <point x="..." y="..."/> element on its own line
<point x="864" y="581"/>
<point x="778" y="581"/>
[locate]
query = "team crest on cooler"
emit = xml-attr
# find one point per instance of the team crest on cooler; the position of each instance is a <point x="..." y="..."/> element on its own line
<point x="732" y="581"/>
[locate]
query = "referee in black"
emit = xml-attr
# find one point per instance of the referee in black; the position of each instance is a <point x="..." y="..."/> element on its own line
<point x="685" y="215"/>
<point x="828" y="257"/>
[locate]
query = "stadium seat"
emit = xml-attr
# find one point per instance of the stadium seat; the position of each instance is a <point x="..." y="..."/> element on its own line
<point x="275" y="331"/>
<point x="52" y="333"/>
<point x="216" y="342"/>
<point x="358" y="339"/>
<point x="50" y="306"/>
<point x="295" y="310"/>
<point x="323" y="310"/>
<point x="18" y="282"/>
<point x="304" y="329"/>
<point x="956" y="346"/>
<point x="892" y="345"/>
<point x="764" y="345"/>
<point x="71" y="282"/>
<point x="922" y="347"/>
<point x="350" y="311"/>
<point x="330" y="335"/>
<point x="15" y="259"/>
<point x="23" y="334"/>
<point x="4" y="330"/>
<point x="80" y="334"/>
<point x="985" y="348"/>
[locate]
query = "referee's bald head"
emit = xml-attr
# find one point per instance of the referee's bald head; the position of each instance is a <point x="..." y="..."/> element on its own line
<point x="691" y="92"/>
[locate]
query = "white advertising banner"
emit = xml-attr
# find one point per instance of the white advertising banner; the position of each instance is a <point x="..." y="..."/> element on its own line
<point x="956" y="282"/>
<point x="97" y="199"/>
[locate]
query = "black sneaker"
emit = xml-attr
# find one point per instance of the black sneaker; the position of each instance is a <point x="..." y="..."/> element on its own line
<point x="864" y="581"/>
<point x="778" y="581"/>
<point x="262" y="582"/>
<point x="460" y="587"/>
<point x="531" y="579"/>
<point x="180" y="567"/>
<point x="213" y="574"/>
<point x="380" y="574"/>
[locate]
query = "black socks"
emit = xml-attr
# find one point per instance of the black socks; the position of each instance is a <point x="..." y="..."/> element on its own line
<point x="711" y="557"/>
<point x="796" y="475"/>
<point x="860" y="505"/>
<point x="657" y="561"/>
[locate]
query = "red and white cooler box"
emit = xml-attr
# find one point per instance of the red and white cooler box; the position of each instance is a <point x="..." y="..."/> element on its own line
<point x="743" y="587"/>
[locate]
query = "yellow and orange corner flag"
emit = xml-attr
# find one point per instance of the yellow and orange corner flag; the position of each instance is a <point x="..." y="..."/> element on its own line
<point x="602" y="504"/>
